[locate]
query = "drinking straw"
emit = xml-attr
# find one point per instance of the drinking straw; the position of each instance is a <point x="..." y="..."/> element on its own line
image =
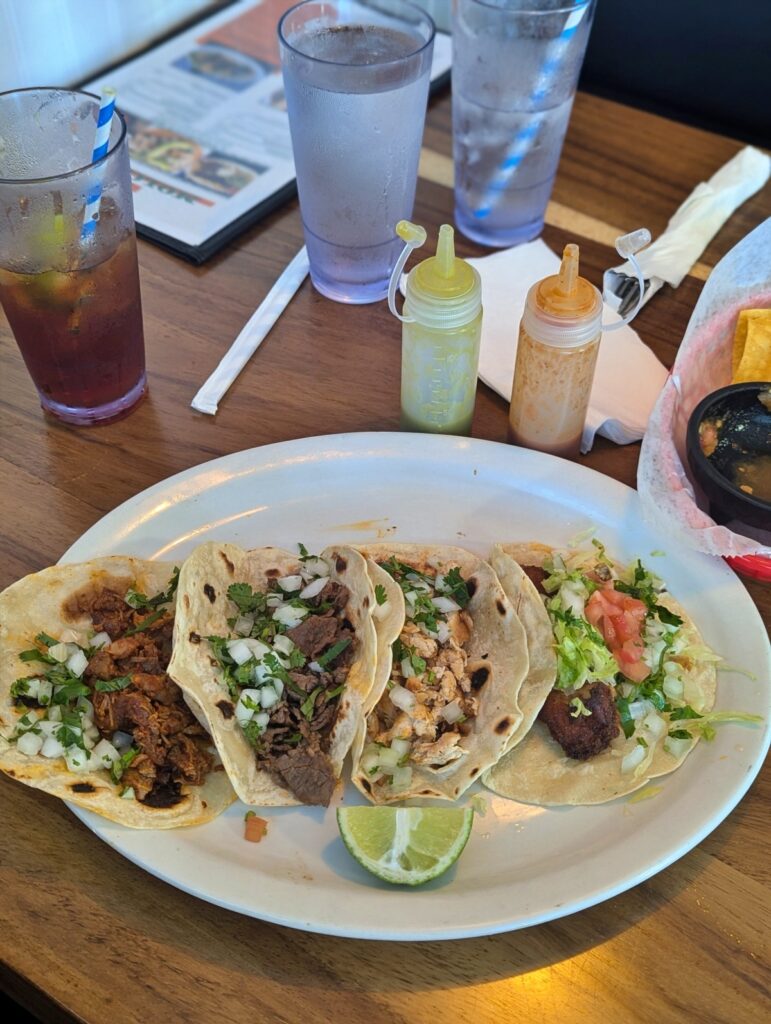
<point x="101" y="145"/>
<point x="525" y="137"/>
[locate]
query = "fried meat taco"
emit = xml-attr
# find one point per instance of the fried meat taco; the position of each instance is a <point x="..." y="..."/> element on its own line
<point x="634" y="684"/>
<point x="87" y="710"/>
<point x="449" y="707"/>
<point x="280" y="652"/>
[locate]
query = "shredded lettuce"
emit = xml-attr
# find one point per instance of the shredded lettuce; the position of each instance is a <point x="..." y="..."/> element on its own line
<point x="582" y="656"/>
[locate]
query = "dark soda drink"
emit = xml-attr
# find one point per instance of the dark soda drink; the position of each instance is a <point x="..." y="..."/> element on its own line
<point x="80" y="333"/>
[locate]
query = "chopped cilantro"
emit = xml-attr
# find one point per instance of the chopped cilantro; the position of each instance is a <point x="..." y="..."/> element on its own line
<point x="455" y="587"/>
<point x="679" y="714"/>
<point x="642" y="741"/>
<point x="147" y="622"/>
<point x="645" y="587"/>
<point x="333" y="652"/>
<point x="381" y="595"/>
<point x="246" y="599"/>
<point x="119" y="766"/>
<point x="253" y="732"/>
<point x="297" y="659"/>
<point x="627" y="722"/>
<point x="679" y="734"/>
<point x="306" y="708"/>
<point x="331" y="694"/>
<point x="68" y="691"/>
<point x="46" y="640"/>
<point x="302" y="549"/>
<point x="135" y="599"/>
<point x="34" y="654"/>
<point x="111" y="685"/>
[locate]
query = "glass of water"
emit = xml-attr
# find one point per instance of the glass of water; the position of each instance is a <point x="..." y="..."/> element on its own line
<point x="356" y="76"/>
<point x="515" y="68"/>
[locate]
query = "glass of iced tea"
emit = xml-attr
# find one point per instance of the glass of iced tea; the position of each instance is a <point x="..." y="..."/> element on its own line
<point x="71" y="294"/>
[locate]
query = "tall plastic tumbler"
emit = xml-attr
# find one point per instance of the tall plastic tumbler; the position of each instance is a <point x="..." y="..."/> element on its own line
<point x="356" y="76"/>
<point x="71" y="294"/>
<point x="515" y="68"/>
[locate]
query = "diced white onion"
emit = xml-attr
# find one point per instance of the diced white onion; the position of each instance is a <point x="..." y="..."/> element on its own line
<point x="274" y="601"/>
<point x="573" y="598"/>
<point x="315" y="667"/>
<point x="402" y="698"/>
<point x="52" y="747"/>
<point x="121" y="741"/>
<point x="30" y="743"/>
<point x="673" y="688"/>
<point x="314" y="588"/>
<point x="290" y="583"/>
<point x="442" y="632"/>
<point x="402" y="777"/>
<point x="370" y="760"/>
<point x="451" y="712"/>
<point x="283" y="644"/>
<point x="257" y="647"/>
<point x="677" y="748"/>
<point x="105" y="754"/>
<point x="410" y="596"/>
<point x="638" y="709"/>
<point x="48" y="728"/>
<point x="289" y="616"/>
<point x="654" y="725"/>
<point x="262" y="674"/>
<point x="268" y="697"/>
<point x="315" y="567"/>
<point x="243" y="625"/>
<point x="244" y="713"/>
<point x="45" y="690"/>
<point x="439" y="581"/>
<point x="77" y="663"/>
<point x="262" y="719"/>
<point x="89" y="740"/>
<point x="61" y="652"/>
<point x="278" y="686"/>
<point x="633" y="759"/>
<point x="239" y="651"/>
<point x="78" y="760"/>
<point x="389" y="758"/>
<point x="402" y="747"/>
<point x="86" y="708"/>
<point x="55" y="713"/>
<point x="100" y="640"/>
<point x="445" y="605"/>
<point x="33" y="688"/>
<point x="407" y="669"/>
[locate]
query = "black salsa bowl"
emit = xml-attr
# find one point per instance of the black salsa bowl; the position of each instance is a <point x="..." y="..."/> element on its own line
<point x="735" y="426"/>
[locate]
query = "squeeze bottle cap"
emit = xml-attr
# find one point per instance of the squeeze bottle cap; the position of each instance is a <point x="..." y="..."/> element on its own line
<point x="564" y="309"/>
<point x="443" y="291"/>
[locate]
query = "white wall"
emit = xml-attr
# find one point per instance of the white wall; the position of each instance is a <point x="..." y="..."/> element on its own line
<point x="60" y="42"/>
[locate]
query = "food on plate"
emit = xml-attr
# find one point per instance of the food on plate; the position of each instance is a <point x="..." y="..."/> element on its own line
<point x="751" y="356"/>
<point x="634" y="688"/>
<point x="449" y="707"/>
<point x="280" y="652"/>
<point x="405" y="845"/>
<point x="255" y="828"/>
<point x="87" y="709"/>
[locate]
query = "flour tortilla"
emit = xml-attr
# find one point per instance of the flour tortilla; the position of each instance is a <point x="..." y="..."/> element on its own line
<point x="498" y="643"/>
<point x="47" y="602"/>
<point x="537" y="770"/>
<point x="203" y="608"/>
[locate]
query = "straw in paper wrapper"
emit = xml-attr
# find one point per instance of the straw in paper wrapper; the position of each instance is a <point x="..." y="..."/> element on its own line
<point x="101" y="146"/>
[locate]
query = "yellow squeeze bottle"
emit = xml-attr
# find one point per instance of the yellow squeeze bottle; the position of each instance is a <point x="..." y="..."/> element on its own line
<point x="441" y="328"/>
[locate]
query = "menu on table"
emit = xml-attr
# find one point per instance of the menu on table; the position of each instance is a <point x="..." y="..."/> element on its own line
<point x="208" y="129"/>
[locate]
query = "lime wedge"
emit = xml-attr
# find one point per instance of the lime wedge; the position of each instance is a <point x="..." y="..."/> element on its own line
<point x="405" y="845"/>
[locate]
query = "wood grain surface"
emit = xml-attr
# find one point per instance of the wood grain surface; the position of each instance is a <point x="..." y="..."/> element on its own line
<point x="85" y="935"/>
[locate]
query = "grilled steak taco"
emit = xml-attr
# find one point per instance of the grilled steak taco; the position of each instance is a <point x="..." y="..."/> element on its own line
<point x="280" y="652"/>
<point x="450" y="705"/>
<point x="634" y="683"/>
<point x="87" y="711"/>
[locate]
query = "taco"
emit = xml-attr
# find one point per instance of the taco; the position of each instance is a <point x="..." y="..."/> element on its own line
<point x="280" y="652"/>
<point x="634" y="682"/>
<point x="87" y="711"/>
<point x="450" y="704"/>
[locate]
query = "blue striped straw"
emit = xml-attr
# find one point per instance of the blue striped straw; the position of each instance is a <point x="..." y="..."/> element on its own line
<point x="526" y="135"/>
<point x="101" y="146"/>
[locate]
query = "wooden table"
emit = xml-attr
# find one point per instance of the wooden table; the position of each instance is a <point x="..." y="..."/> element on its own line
<point x="85" y="935"/>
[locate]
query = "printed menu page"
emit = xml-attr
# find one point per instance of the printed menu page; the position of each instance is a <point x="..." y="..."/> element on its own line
<point x="208" y="129"/>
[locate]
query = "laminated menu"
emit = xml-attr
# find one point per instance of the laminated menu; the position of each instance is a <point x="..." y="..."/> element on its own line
<point x="208" y="129"/>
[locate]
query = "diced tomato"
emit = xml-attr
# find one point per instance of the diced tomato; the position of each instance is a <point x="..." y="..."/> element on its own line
<point x="255" y="828"/>
<point x="620" y="619"/>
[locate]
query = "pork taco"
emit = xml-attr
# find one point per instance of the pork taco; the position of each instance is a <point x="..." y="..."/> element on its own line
<point x="280" y="652"/>
<point x="450" y="706"/>
<point x="634" y="684"/>
<point x="87" y="710"/>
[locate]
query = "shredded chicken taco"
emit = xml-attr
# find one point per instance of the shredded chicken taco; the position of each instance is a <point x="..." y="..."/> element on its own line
<point x="280" y="652"/>
<point x="449" y="707"/>
<point x="634" y="684"/>
<point x="87" y="710"/>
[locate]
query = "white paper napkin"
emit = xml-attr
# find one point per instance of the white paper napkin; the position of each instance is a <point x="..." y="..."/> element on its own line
<point x="628" y="378"/>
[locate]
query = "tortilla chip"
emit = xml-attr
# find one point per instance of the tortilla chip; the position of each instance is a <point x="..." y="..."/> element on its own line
<point x="751" y="357"/>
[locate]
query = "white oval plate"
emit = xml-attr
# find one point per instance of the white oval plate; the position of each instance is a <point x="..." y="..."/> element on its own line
<point x="523" y="864"/>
